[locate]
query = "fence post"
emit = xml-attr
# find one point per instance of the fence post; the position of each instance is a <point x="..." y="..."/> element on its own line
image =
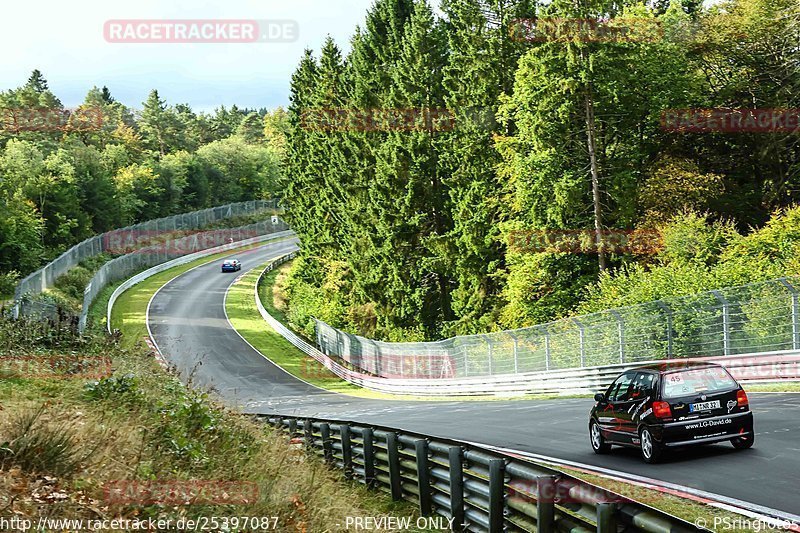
<point x="497" y="491"/>
<point x="327" y="445"/>
<point x="394" y="466"/>
<point x="456" y="455"/>
<point x="546" y="346"/>
<point x="292" y="428"/>
<point x="795" y="313"/>
<point x="726" y="322"/>
<point x="545" y="503"/>
<point x="582" y="333"/>
<point x="347" y="451"/>
<point x="516" y="352"/>
<point x="423" y="477"/>
<point x="606" y="517"/>
<point x="489" y="346"/>
<point x="308" y="430"/>
<point x="667" y="311"/>
<point x="369" y="457"/>
<point x="621" y="334"/>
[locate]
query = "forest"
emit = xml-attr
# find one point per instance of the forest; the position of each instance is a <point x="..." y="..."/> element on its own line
<point x="68" y="174"/>
<point x="419" y="158"/>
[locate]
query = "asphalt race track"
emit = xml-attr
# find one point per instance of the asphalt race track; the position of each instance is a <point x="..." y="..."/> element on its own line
<point x="188" y="323"/>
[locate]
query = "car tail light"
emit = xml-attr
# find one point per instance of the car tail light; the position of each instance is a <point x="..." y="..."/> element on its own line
<point x="662" y="410"/>
<point x="741" y="399"/>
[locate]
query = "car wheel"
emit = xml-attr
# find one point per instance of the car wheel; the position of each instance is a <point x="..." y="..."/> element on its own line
<point x="743" y="443"/>
<point x="599" y="444"/>
<point x="651" y="450"/>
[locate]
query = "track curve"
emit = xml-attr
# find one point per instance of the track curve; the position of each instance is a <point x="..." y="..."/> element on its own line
<point x="188" y="322"/>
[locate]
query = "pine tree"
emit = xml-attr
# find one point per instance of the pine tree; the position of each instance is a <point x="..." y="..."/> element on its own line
<point x="37" y="82"/>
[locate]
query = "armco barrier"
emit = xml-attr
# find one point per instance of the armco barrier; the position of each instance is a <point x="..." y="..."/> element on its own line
<point x="748" y="368"/>
<point x="476" y="489"/>
<point x="138" y="278"/>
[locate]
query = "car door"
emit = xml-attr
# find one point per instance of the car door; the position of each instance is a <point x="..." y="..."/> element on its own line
<point x="627" y="398"/>
<point x="608" y="413"/>
<point x="642" y="397"/>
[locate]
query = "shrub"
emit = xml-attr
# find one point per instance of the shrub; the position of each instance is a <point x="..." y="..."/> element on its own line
<point x="8" y="282"/>
<point x="35" y="445"/>
<point x="73" y="283"/>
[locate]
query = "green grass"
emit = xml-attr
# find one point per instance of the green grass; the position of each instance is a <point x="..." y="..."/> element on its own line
<point x="789" y="386"/>
<point x="243" y="314"/>
<point x="245" y="318"/>
<point x="130" y="309"/>
<point x="65" y="439"/>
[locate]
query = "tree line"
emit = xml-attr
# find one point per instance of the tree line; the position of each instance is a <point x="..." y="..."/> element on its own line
<point x="407" y="219"/>
<point x="68" y="174"/>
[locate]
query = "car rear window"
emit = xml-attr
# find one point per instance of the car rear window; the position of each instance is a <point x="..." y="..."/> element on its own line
<point x="227" y="263"/>
<point x="699" y="381"/>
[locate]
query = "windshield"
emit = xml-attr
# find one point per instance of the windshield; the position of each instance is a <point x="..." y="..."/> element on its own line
<point x="700" y="381"/>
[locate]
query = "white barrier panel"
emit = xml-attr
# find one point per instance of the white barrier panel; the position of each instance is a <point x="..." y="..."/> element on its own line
<point x="755" y="368"/>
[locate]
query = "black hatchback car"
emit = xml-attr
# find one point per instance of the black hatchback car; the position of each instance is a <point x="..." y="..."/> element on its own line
<point x="671" y="405"/>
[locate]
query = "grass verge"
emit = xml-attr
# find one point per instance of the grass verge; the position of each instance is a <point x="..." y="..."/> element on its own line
<point x="130" y="310"/>
<point x="245" y="318"/>
<point x="134" y="443"/>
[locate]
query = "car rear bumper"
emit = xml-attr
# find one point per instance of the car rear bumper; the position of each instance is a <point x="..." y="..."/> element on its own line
<point x="707" y="430"/>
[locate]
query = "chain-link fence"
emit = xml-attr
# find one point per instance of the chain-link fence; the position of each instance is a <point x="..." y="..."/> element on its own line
<point x="121" y="241"/>
<point x="754" y="318"/>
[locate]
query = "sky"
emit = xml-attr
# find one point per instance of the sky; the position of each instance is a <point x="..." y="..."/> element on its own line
<point x="65" y="40"/>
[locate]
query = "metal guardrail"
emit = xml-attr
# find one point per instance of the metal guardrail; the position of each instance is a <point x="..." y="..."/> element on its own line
<point x="479" y="489"/>
<point x="45" y="278"/>
<point x="756" y="318"/>
<point x="747" y="368"/>
<point x="124" y="266"/>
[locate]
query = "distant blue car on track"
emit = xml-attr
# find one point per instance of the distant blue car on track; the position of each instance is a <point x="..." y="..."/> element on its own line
<point x="231" y="265"/>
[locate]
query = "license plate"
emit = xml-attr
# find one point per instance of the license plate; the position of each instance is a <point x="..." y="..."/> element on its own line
<point x="705" y="406"/>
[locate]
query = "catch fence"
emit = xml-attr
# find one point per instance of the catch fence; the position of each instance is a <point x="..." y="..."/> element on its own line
<point x="112" y="241"/>
<point x="139" y="246"/>
<point x="748" y="319"/>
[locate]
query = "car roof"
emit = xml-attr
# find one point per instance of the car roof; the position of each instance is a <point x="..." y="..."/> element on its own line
<point x="675" y="366"/>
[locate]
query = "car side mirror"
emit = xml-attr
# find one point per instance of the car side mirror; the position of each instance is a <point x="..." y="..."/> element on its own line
<point x="599" y="397"/>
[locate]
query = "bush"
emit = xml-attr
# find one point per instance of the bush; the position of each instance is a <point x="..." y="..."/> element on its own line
<point x="8" y="282"/>
<point x="73" y="283"/>
<point x="110" y="387"/>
